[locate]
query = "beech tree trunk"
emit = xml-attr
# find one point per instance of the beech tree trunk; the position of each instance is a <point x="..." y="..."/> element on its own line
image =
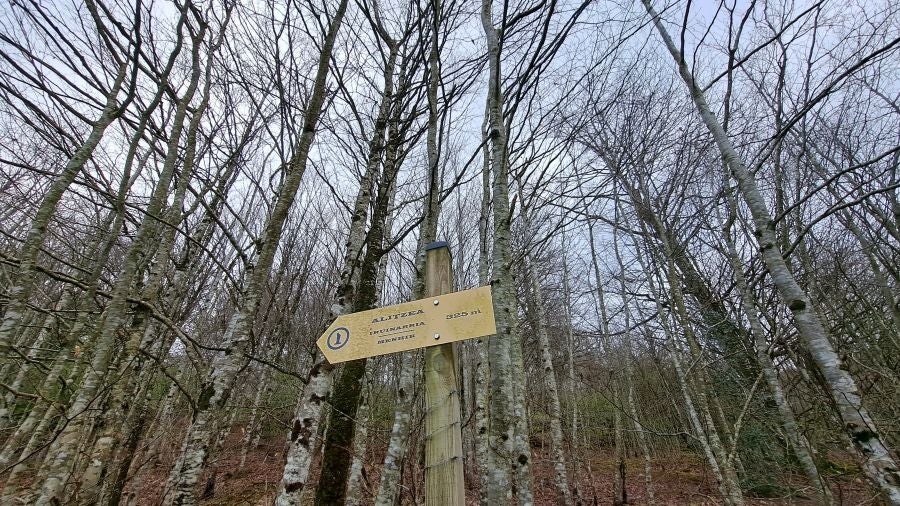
<point x="629" y="380"/>
<point x="619" y="469"/>
<point x="389" y="487"/>
<point x="63" y="449"/>
<point x="572" y="390"/>
<point x="355" y="485"/>
<point x="480" y="365"/>
<point x="508" y="459"/>
<point x="539" y="321"/>
<point x="877" y="460"/>
<point x="217" y="386"/>
<point x="336" y="457"/>
<point x="563" y="494"/>
<point x="800" y="445"/>
<point x="24" y="276"/>
<point x="251" y="429"/>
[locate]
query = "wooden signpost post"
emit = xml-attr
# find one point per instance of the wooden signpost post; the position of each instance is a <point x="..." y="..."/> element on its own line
<point x="434" y="323"/>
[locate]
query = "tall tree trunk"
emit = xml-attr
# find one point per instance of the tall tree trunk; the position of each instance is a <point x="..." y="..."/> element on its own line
<point x="539" y="320"/>
<point x="481" y="367"/>
<point x="389" y="484"/>
<point x="24" y="276"/>
<point x="355" y="485"/>
<point x="712" y="456"/>
<point x="620" y="485"/>
<point x="619" y="470"/>
<point x="563" y="494"/>
<point x="877" y="460"/>
<point x="572" y="390"/>
<point x="216" y="387"/>
<point x="628" y="377"/>
<point x="301" y="448"/>
<point x="799" y="443"/>
<point x="336" y="456"/>
<point x="389" y="481"/>
<point x="522" y="440"/>
<point x="63" y="449"/>
<point x="135" y="423"/>
<point x="509" y="458"/>
<point x="389" y="487"/>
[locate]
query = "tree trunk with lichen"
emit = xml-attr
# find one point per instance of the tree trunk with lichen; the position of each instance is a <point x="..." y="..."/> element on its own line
<point x="337" y="457"/>
<point x="509" y="460"/>
<point x="65" y="446"/>
<point x="560" y="479"/>
<point x="389" y="487"/>
<point x="877" y="460"/>
<point x="216" y="388"/>
<point x="481" y="369"/>
<point x="619" y="468"/>
<point x="359" y="289"/>
<point x="302" y="445"/>
<point x="355" y="490"/>
<point x="251" y="428"/>
<point x="684" y="384"/>
<point x="798" y="443"/>
<point x="24" y="276"/>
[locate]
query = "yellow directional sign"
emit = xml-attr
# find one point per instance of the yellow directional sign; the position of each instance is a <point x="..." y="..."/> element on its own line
<point x="417" y="324"/>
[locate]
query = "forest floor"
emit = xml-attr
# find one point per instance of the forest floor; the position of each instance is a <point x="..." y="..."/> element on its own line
<point x="678" y="478"/>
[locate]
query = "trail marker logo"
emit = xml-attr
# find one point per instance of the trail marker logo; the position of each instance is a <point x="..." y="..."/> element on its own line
<point x="338" y="338"/>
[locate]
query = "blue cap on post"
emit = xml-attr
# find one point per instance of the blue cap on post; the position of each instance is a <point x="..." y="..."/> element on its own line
<point x="436" y="245"/>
